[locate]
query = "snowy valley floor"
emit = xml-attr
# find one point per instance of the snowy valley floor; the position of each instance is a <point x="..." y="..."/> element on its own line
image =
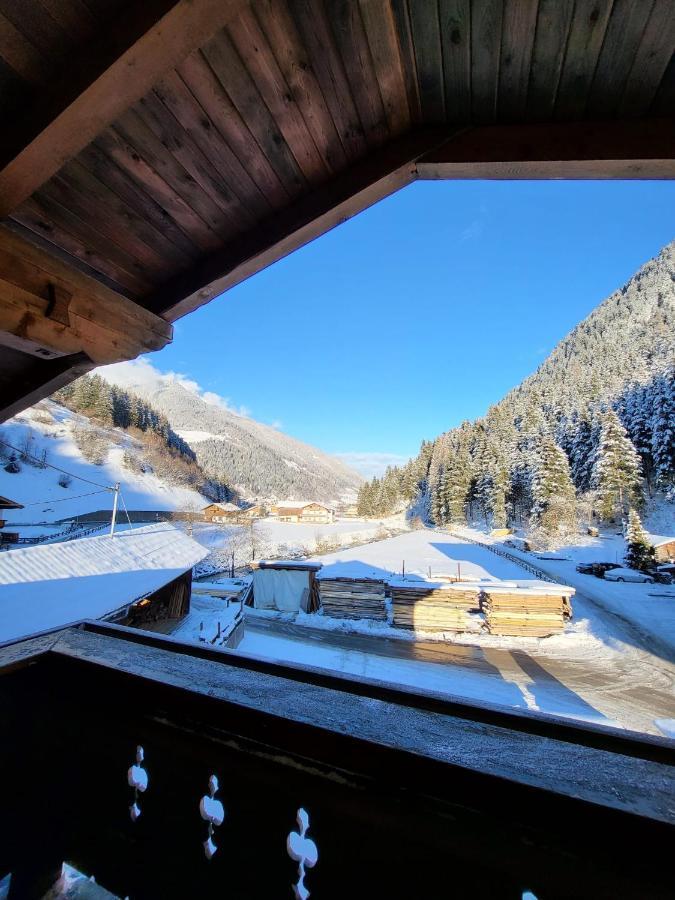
<point x="601" y="669"/>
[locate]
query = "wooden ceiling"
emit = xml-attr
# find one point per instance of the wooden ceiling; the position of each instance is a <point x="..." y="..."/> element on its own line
<point x="154" y="154"/>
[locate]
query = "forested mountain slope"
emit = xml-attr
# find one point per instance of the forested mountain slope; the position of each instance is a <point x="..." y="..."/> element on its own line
<point x="256" y="459"/>
<point x="591" y="432"/>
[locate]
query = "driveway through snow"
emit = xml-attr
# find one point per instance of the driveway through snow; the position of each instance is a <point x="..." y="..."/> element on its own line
<point x="597" y="670"/>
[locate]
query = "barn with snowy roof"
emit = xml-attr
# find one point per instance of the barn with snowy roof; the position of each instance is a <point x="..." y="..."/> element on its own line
<point x="135" y="577"/>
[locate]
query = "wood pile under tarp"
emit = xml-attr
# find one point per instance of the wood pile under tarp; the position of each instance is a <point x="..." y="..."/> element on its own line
<point x="349" y="598"/>
<point x="532" y="611"/>
<point x="433" y="605"/>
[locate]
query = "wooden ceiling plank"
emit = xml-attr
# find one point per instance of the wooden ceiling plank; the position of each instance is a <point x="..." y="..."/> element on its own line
<point x="275" y="20"/>
<point x="518" y="30"/>
<point x="114" y="144"/>
<point x="664" y="101"/>
<point x="107" y="171"/>
<point x="486" y="39"/>
<point x="550" y="43"/>
<point x="352" y="43"/>
<point x="587" y="33"/>
<point x="56" y="224"/>
<point x="20" y="55"/>
<point x="318" y="39"/>
<point x="651" y="60"/>
<point x="178" y="99"/>
<point x="73" y="16"/>
<point x="97" y="88"/>
<point x="367" y="181"/>
<point x="137" y="132"/>
<point x="624" y="32"/>
<point x="201" y="81"/>
<point x="621" y="149"/>
<point x="429" y="58"/>
<point x="380" y="27"/>
<point x="176" y="140"/>
<point x="233" y="76"/>
<point x="33" y="20"/>
<point x="32" y="268"/>
<point x="455" y="25"/>
<point x="100" y="208"/>
<point x="405" y="38"/>
<point x="257" y="55"/>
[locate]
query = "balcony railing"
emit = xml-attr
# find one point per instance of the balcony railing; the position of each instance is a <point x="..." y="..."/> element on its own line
<point x="263" y="780"/>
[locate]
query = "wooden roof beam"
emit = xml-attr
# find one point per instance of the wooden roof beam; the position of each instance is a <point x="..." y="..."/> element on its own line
<point x="360" y="186"/>
<point x="605" y="150"/>
<point x="114" y="72"/>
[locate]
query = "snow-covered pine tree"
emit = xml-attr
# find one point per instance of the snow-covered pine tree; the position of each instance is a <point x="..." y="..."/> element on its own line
<point x="663" y="429"/>
<point x="553" y="494"/>
<point x="639" y="552"/>
<point x="616" y="469"/>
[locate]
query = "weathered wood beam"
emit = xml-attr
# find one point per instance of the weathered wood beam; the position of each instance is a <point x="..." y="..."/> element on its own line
<point x="49" y="310"/>
<point x="363" y="184"/>
<point x="39" y="379"/>
<point x="115" y="72"/>
<point x="606" y="150"/>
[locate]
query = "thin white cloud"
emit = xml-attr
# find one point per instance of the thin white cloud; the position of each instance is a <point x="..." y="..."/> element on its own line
<point x="141" y="374"/>
<point x="371" y="464"/>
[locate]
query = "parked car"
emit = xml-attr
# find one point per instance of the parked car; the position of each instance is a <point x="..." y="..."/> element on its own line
<point x="597" y="568"/>
<point x="623" y="574"/>
<point x="664" y="574"/>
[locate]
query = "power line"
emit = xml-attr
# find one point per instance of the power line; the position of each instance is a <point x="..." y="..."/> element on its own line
<point x="41" y="463"/>
<point x="65" y="499"/>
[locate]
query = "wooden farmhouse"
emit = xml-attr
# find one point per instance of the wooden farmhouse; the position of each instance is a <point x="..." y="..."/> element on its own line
<point x="153" y="155"/>
<point x="253" y="512"/>
<point x="139" y="576"/>
<point x="7" y="536"/>
<point x="664" y="546"/>
<point x="303" y="511"/>
<point x="221" y="512"/>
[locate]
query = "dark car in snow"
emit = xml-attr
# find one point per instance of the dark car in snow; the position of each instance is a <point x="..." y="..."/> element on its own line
<point x="597" y="568"/>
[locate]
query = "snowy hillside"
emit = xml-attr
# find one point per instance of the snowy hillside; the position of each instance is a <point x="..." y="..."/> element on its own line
<point x="54" y="433"/>
<point x="258" y="460"/>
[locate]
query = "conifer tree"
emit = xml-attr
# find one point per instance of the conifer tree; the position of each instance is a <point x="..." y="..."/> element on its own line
<point x="639" y="552"/>
<point x="616" y="469"/>
<point x="553" y="493"/>
<point x="663" y="429"/>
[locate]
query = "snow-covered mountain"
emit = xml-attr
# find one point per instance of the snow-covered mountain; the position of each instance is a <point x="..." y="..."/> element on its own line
<point x="256" y="459"/>
<point x="49" y="438"/>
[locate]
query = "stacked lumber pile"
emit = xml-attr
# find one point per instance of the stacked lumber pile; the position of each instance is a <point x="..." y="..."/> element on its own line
<point x="347" y="598"/>
<point x="526" y="612"/>
<point x="433" y="606"/>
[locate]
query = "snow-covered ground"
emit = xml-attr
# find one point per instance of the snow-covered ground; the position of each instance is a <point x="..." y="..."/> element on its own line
<point x="647" y="608"/>
<point x="39" y="490"/>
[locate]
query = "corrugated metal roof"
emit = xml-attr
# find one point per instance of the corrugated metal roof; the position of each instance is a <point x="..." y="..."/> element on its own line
<point x="56" y="584"/>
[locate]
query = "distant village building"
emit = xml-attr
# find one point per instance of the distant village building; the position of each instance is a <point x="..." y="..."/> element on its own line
<point x="134" y="577"/>
<point x="300" y="511"/>
<point x="664" y="546"/>
<point x="350" y="511"/>
<point x="8" y="537"/>
<point x="221" y="512"/>
<point x="253" y="512"/>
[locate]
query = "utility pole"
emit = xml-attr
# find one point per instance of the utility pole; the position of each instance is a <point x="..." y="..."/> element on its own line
<point x="116" y="494"/>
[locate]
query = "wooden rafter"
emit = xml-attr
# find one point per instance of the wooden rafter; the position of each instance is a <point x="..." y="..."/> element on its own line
<point x="624" y="149"/>
<point x="116" y="71"/>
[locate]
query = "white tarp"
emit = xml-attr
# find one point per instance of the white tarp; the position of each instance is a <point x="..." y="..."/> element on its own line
<point x="279" y="588"/>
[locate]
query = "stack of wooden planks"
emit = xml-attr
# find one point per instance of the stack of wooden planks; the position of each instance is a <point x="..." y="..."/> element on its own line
<point x="433" y="606"/>
<point x="527" y="611"/>
<point x="347" y="598"/>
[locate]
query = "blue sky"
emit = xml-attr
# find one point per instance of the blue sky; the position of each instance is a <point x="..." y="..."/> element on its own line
<point x="420" y="312"/>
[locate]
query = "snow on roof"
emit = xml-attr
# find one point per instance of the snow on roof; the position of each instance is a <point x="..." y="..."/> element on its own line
<point x="299" y="504"/>
<point x="53" y="585"/>
<point x="657" y="540"/>
<point x="228" y="507"/>
<point x="304" y="564"/>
